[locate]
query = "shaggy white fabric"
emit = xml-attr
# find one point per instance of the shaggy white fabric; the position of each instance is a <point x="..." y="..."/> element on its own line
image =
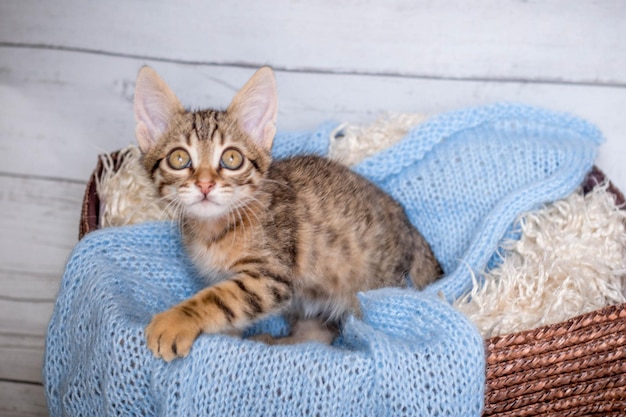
<point x="352" y="143"/>
<point x="569" y="260"/>
<point x="127" y="195"/>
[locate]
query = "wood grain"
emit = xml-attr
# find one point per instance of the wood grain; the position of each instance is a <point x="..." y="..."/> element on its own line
<point x="83" y="104"/>
<point x="22" y="357"/>
<point x="39" y="223"/>
<point x="557" y="41"/>
<point x="38" y="219"/>
<point x="22" y="400"/>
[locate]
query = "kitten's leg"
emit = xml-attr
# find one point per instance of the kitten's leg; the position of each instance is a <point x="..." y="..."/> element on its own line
<point x="230" y="305"/>
<point x="309" y="330"/>
<point x="425" y="268"/>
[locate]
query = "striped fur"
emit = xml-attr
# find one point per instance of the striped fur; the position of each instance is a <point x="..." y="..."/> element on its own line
<point x="299" y="236"/>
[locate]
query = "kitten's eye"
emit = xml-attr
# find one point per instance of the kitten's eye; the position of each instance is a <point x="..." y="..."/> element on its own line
<point x="179" y="159"/>
<point x="231" y="159"/>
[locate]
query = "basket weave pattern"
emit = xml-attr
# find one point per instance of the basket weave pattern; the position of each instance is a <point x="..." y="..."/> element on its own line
<point x="573" y="368"/>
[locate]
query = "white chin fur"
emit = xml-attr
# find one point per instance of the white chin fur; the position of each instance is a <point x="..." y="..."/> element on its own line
<point x="206" y="209"/>
<point x="218" y="204"/>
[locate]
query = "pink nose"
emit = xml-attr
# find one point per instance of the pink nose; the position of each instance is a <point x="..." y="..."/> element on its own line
<point x="205" y="186"/>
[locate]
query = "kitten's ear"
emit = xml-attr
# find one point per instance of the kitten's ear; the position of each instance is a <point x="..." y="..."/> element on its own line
<point x="155" y="104"/>
<point x="255" y="107"/>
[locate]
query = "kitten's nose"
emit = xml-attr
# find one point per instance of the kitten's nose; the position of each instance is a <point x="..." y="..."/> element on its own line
<point x="205" y="186"/>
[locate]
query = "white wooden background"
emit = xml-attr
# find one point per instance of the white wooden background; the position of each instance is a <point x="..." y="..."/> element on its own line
<point x="67" y="70"/>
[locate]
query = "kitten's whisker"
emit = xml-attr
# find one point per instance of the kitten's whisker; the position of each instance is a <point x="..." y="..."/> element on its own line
<point x="281" y="183"/>
<point x="234" y="233"/>
<point x="172" y="209"/>
<point x="247" y="211"/>
<point x="164" y="210"/>
<point x="243" y="226"/>
<point x="250" y="201"/>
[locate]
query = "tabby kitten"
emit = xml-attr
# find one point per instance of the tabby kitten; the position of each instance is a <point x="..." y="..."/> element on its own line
<point x="299" y="236"/>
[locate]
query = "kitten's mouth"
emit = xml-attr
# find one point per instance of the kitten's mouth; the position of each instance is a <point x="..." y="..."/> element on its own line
<point x="205" y="208"/>
<point x="207" y="200"/>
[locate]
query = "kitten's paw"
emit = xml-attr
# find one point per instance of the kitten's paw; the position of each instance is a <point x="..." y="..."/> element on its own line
<point x="170" y="334"/>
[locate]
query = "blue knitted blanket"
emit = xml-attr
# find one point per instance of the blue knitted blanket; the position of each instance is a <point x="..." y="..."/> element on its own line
<point x="463" y="178"/>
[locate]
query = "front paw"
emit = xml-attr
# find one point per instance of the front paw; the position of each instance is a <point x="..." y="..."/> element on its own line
<point x="171" y="333"/>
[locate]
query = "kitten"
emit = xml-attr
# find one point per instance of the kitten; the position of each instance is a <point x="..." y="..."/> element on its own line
<point x="299" y="236"/>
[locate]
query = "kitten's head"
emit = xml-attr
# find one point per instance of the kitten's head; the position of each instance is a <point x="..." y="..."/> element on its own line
<point x="206" y="162"/>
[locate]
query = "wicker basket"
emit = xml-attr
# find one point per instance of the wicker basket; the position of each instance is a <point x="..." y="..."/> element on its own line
<point x="573" y="368"/>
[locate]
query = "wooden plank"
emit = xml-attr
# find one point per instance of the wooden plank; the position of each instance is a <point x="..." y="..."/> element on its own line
<point x="83" y="104"/>
<point x="23" y="318"/>
<point x="39" y="223"/>
<point x="72" y="112"/>
<point x="557" y="41"/>
<point x="21" y="357"/>
<point x="22" y="400"/>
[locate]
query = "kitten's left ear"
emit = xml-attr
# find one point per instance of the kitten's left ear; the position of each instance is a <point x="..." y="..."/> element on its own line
<point x="255" y="107"/>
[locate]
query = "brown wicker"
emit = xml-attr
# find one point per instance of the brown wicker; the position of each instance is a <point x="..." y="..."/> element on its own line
<point x="90" y="213"/>
<point x="573" y="368"/>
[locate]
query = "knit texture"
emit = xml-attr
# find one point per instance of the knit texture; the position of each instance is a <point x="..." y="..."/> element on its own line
<point x="463" y="178"/>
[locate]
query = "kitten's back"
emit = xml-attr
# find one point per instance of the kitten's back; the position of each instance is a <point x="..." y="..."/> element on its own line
<point x="350" y="236"/>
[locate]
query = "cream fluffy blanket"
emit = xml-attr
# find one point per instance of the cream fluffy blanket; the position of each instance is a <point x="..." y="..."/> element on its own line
<point x="570" y="258"/>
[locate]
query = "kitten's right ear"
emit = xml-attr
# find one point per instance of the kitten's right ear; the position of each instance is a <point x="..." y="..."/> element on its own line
<point x="155" y="104"/>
